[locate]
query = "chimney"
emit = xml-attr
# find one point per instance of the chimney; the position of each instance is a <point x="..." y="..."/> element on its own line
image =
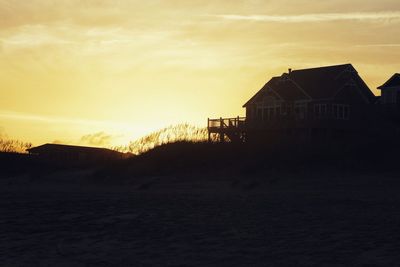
<point x="289" y="70"/>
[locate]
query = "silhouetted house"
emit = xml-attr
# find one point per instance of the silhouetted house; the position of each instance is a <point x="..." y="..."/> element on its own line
<point x="75" y="154"/>
<point x="308" y="104"/>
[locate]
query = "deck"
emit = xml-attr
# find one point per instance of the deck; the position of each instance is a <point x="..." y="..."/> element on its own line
<point x="241" y="129"/>
<point x="227" y="129"/>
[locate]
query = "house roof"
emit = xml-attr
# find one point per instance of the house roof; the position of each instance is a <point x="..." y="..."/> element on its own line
<point x="394" y="81"/>
<point x="316" y="83"/>
<point x="78" y="149"/>
<point x="263" y="89"/>
<point x="287" y="89"/>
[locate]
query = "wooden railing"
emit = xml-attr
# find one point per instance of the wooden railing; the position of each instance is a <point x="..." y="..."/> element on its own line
<point x="226" y="123"/>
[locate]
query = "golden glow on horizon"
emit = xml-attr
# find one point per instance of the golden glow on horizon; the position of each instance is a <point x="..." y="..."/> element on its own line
<point x="112" y="71"/>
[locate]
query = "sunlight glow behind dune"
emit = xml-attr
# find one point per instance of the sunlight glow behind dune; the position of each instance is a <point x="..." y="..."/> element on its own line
<point x="170" y="134"/>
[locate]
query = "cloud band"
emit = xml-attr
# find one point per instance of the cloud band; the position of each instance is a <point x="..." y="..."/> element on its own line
<point x="319" y="17"/>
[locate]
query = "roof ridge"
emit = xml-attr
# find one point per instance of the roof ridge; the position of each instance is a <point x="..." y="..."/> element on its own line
<point x="323" y="67"/>
<point x="385" y="85"/>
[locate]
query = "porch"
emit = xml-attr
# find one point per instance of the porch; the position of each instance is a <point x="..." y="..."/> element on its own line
<point x="227" y="129"/>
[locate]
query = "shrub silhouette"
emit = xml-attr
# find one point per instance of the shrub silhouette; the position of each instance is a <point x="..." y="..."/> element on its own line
<point x="14" y="146"/>
<point x="171" y="134"/>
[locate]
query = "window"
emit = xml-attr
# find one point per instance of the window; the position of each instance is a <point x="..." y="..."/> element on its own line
<point x="346" y="112"/>
<point x="397" y="98"/>
<point x="278" y="109"/>
<point x="341" y="111"/>
<point x="265" y="114"/>
<point x="320" y="110"/>
<point x="270" y="112"/>
<point x="389" y="96"/>
<point x="269" y="108"/>
<point x="259" y="113"/>
<point x="300" y="109"/>
<point x="253" y="112"/>
<point x="288" y="110"/>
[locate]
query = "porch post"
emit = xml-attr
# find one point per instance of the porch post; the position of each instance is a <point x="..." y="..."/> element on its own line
<point x="221" y="127"/>
<point x="208" y="130"/>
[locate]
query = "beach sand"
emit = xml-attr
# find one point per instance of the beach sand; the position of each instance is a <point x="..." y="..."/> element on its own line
<point x="279" y="220"/>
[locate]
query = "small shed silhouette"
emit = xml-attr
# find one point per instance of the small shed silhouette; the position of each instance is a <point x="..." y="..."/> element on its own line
<point x="76" y="154"/>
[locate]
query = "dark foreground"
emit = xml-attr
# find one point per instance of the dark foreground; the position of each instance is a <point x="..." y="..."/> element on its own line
<point x="343" y="221"/>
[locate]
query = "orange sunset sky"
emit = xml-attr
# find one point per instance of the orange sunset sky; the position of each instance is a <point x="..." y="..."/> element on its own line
<point x="115" y="70"/>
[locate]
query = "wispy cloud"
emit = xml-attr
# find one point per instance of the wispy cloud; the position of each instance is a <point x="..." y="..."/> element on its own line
<point x="317" y="17"/>
<point x="61" y="120"/>
<point x="379" y="45"/>
<point x="97" y="139"/>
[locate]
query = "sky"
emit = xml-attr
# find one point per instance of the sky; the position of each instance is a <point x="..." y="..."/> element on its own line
<point x="101" y="72"/>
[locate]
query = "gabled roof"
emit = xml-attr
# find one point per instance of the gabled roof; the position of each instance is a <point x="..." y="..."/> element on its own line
<point x="316" y="83"/>
<point x="59" y="147"/>
<point x="394" y="81"/>
<point x="260" y="92"/>
<point x="288" y="89"/>
<point x="320" y="82"/>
